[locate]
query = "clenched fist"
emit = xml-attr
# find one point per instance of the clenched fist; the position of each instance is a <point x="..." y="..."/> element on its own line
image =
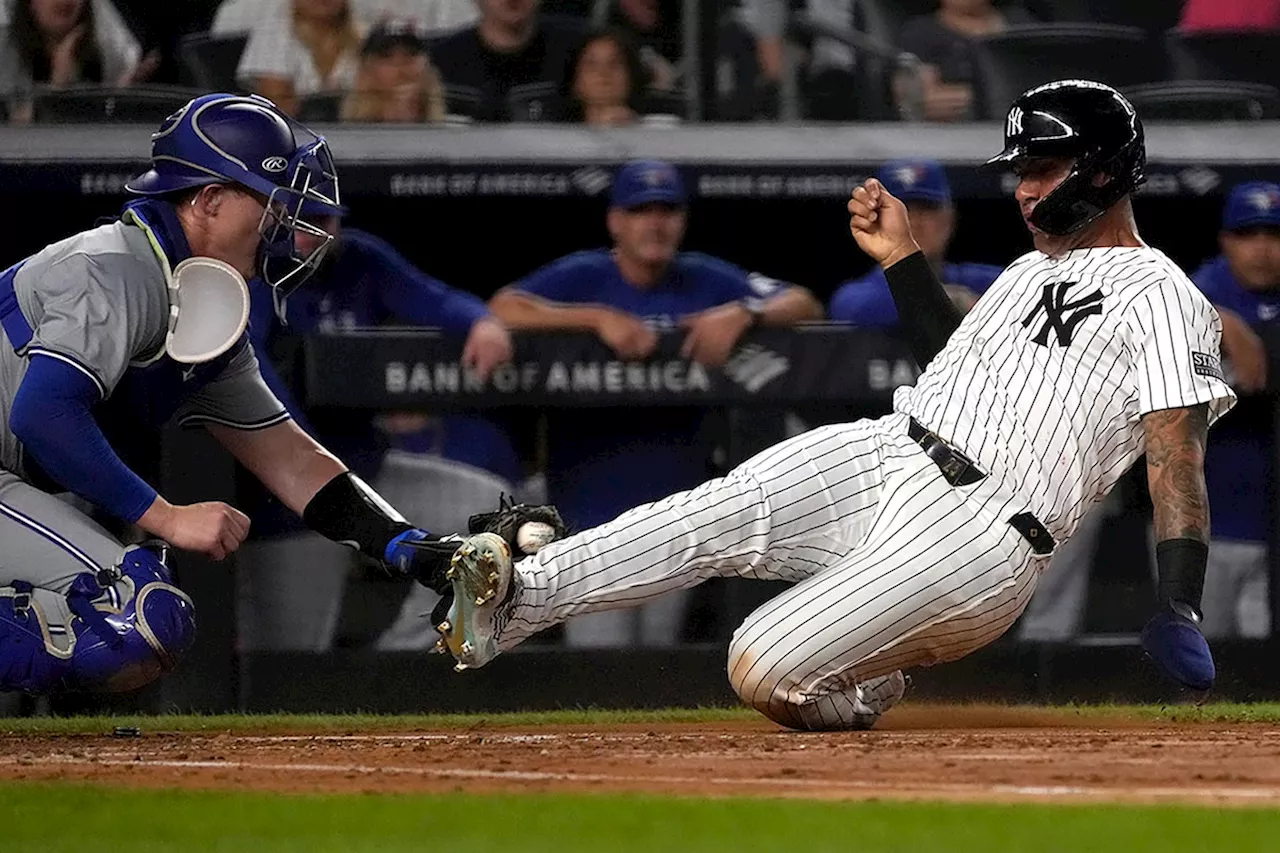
<point x="880" y="225"/>
<point x="213" y="528"/>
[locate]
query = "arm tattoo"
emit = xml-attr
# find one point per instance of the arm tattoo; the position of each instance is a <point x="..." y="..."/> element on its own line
<point x="1175" y="472"/>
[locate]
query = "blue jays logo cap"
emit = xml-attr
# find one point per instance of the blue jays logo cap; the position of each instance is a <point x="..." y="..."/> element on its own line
<point x="647" y="182"/>
<point x="1252" y="204"/>
<point x="916" y="180"/>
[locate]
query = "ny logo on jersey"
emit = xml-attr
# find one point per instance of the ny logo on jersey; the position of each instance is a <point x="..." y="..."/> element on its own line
<point x="1062" y="316"/>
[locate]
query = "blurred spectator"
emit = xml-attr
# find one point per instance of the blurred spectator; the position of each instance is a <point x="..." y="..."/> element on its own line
<point x="943" y="42"/>
<point x="508" y="55"/>
<point x="396" y="81"/>
<point x="607" y="80"/>
<point x="437" y="17"/>
<point x="829" y="68"/>
<point x="922" y="185"/>
<point x="294" y="580"/>
<point x="603" y="462"/>
<point x="302" y="47"/>
<point x="1244" y="285"/>
<point x="1230" y="15"/>
<point x="235" y="17"/>
<point x="60" y="43"/>
<point x="654" y="26"/>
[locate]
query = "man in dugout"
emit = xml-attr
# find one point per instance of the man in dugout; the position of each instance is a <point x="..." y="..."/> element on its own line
<point x="603" y="462"/>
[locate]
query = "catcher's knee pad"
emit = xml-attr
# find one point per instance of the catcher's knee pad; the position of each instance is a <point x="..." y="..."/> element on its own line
<point x="112" y="632"/>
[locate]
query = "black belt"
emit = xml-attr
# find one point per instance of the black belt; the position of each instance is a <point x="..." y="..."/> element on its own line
<point x="959" y="470"/>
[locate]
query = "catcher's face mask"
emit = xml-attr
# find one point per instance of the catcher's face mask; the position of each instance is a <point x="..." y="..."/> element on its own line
<point x="208" y="310"/>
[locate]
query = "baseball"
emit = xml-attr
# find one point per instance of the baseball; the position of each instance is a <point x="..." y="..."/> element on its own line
<point x="532" y="535"/>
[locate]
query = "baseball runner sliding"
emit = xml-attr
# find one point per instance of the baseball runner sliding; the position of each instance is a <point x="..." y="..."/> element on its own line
<point x="917" y="538"/>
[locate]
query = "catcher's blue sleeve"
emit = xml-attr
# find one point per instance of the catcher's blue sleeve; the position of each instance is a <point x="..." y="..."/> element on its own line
<point x="51" y="417"/>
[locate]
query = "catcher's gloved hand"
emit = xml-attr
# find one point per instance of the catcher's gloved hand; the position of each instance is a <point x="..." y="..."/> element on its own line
<point x="1173" y="639"/>
<point x="423" y="557"/>
<point x="508" y="518"/>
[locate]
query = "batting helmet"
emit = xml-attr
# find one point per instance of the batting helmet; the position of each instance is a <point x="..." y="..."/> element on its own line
<point x="247" y="140"/>
<point x="1090" y="122"/>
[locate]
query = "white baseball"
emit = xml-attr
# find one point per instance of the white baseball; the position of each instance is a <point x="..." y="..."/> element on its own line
<point x="532" y="535"/>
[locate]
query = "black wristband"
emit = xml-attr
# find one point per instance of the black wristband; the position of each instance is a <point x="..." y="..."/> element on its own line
<point x="1180" y="564"/>
<point x="925" y="311"/>
<point x="346" y="510"/>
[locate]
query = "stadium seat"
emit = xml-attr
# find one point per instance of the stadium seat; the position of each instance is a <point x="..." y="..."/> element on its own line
<point x="1009" y="63"/>
<point x="1154" y="16"/>
<point x="209" y="62"/>
<point x="1205" y="100"/>
<point x="84" y="104"/>
<point x="1248" y="56"/>
<point x="884" y="19"/>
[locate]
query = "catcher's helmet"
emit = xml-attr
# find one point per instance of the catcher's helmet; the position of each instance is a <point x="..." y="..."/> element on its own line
<point x="247" y="140"/>
<point x="1089" y="121"/>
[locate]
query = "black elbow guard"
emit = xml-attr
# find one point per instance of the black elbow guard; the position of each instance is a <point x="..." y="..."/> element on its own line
<point x="348" y="511"/>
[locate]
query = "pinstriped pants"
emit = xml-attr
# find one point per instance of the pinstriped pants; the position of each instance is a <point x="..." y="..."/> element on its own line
<point x="893" y="567"/>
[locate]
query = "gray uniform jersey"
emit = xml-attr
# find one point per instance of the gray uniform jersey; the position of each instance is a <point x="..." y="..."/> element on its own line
<point x="99" y="301"/>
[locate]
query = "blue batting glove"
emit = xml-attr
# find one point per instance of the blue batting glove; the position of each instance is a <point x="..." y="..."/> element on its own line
<point x="1173" y="639"/>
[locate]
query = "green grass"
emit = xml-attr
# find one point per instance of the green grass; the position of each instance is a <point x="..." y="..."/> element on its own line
<point x="344" y="723"/>
<point x="86" y="819"/>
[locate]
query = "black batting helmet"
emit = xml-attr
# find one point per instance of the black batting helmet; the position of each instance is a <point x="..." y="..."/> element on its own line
<point x="1091" y="122"/>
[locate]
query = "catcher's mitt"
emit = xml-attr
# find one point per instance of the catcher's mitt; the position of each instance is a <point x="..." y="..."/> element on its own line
<point x="508" y="518"/>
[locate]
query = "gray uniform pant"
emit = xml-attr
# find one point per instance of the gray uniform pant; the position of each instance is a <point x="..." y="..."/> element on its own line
<point x="46" y="541"/>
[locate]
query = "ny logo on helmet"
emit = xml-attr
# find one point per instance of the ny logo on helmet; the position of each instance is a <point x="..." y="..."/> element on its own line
<point x="275" y="164"/>
<point x="1061" y="316"/>
<point x="1014" y="125"/>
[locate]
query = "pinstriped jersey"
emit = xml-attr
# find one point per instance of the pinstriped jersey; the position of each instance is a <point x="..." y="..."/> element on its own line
<point x="1046" y="380"/>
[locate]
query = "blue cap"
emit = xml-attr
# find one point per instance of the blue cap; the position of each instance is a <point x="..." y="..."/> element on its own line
<point x="916" y="180"/>
<point x="647" y="182"/>
<point x="1252" y="204"/>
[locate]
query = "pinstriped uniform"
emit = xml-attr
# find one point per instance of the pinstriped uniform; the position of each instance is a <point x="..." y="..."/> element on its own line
<point x="1043" y="386"/>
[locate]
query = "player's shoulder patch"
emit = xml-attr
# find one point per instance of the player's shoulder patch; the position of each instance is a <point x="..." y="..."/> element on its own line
<point x="1207" y="365"/>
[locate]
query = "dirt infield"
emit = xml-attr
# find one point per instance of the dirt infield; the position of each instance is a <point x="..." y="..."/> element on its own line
<point x="1003" y="755"/>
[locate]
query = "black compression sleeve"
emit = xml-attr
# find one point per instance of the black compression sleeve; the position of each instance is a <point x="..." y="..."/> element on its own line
<point x="1180" y="564"/>
<point x="346" y="510"/>
<point x="925" y="311"/>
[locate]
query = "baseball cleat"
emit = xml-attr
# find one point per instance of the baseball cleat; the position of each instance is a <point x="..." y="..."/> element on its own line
<point x="875" y="696"/>
<point x="480" y="572"/>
